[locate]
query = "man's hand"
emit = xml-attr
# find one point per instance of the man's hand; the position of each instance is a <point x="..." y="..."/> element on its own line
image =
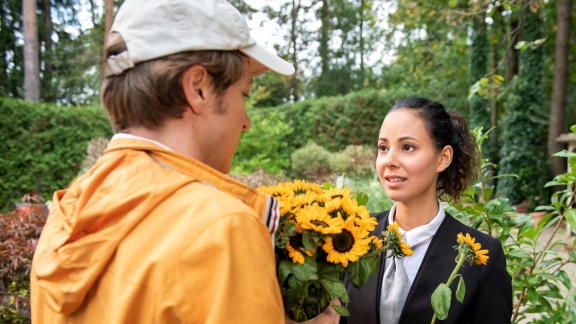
<point x="328" y="316"/>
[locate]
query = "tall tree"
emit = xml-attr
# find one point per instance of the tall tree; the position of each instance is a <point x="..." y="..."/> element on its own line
<point x="429" y="41"/>
<point x="478" y="67"/>
<point x="524" y="150"/>
<point x="11" y="49"/>
<point x="47" y="53"/>
<point x="560" y="85"/>
<point x="31" y="51"/>
<point x="108" y="18"/>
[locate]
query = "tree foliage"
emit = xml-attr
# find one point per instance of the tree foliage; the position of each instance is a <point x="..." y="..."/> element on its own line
<point x="524" y="135"/>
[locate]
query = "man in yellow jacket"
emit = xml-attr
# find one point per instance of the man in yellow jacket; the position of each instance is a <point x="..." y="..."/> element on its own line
<point x="156" y="232"/>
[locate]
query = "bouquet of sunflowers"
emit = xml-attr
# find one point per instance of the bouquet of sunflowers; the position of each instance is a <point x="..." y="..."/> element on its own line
<point x="323" y="235"/>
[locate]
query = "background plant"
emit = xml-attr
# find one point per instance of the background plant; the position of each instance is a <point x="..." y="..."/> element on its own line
<point x="19" y="233"/>
<point x="43" y="146"/>
<point x="538" y="272"/>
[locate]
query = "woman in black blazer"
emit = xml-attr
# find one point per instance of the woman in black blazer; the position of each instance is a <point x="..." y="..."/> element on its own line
<point x="426" y="154"/>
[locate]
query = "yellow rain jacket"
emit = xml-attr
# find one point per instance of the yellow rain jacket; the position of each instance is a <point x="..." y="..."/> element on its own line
<point x="151" y="236"/>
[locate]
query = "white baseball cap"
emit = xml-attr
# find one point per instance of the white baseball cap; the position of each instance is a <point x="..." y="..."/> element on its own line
<point x="156" y="28"/>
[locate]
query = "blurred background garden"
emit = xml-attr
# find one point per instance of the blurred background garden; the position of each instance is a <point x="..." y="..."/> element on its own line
<point x="508" y="66"/>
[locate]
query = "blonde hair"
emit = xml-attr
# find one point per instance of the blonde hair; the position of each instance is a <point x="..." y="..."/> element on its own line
<point x="151" y="92"/>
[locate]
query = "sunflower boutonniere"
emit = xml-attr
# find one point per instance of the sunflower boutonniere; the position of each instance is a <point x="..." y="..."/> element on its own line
<point x="468" y="250"/>
<point x="324" y="233"/>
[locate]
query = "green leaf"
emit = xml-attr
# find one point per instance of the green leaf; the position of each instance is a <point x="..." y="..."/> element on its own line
<point x="341" y="310"/>
<point x="571" y="217"/>
<point x="302" y="272"/>
<point x="308" y="241"/>
<point x="361" y="270"/>
<point x="538" y="42"/>
<point x="521" y="45"/>
<point x="289" y="228"/>
<point x="498" y="78"/>
<point x="362" y="199"/>
<point x="327" y="185"/>
<point x="306" y="271"/>
<point x="284" y="270"/>
<point x="452" y="3"/>
<point x="335" y="288"/>
<point x="441" y="301"/>
<point x="461" y="290"/>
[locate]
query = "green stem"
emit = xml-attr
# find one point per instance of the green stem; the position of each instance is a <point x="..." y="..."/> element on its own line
<point x="376" y="252"/>
<point x="452" y="276"/>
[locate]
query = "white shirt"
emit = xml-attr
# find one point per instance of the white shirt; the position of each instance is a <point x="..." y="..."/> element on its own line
<point x="421" y="235"/>
<point x="126" y="135"/>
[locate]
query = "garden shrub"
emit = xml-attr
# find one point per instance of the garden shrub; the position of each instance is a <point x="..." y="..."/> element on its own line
<point x="311" y="161"/>
<point x="355" y="160"/>
<point x="44" y="146"/>
<point x="264" y="146"/>
<point x="538" y="270"/>
<point x="19" y="233"/>
<point x="336" y="122"/>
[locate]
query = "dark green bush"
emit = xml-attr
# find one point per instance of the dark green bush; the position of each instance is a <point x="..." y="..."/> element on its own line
<point x="264" y="146"/>
<point x="44" y="146"/>
<point x="336" y="122"/>
<point x="311" y="161"/>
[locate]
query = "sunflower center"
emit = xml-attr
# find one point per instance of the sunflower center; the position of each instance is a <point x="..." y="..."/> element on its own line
<point x="340" y="212"/>
<point x="296" y="241"/>
<point x="343" y="242"/>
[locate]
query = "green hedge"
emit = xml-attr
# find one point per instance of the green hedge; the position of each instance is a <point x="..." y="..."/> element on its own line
<point x="336" y="122"/>
<point x="43" y="146"/>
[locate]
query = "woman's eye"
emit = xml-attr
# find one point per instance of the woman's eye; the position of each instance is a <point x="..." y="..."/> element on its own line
<point x="382" y="148"/>
<point x="408" y="148"/>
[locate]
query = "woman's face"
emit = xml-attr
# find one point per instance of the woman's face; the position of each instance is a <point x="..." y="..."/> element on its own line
<point x="407" y="162"/>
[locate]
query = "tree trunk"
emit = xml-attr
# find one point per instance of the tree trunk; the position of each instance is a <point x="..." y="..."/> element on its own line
<point x="48" y="57"/>
<point x="108" y="17"/>
<point x="361" y="21"/>
<point x="31" y="55"/>
<point x="513" y="55"/>
<point x="296" y="5"/>
<point x="323" y="51"/>
<point x="557" y="111"/>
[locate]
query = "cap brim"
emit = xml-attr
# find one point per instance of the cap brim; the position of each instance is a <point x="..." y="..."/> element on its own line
<point x="262" y="61"/>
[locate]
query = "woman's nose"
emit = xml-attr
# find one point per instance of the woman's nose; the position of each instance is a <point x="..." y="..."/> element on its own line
<point x="390" y="159"/>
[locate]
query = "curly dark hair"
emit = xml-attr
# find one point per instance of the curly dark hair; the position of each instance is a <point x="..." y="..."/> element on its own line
<point x="447" y="128"/>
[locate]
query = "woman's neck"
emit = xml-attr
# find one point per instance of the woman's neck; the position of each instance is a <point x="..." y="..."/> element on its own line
<point x="410" y="216"/>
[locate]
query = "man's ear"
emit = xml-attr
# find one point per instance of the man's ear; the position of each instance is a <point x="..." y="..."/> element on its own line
<point x="196" y="85"/>
<point x="445" y="158"/>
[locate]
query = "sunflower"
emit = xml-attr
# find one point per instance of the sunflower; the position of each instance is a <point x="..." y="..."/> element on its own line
<point x="341" y="207"/>
<point x="293" y="246"/>
<point x="375" y="243"/>
<point x="334" y="193"/>
<point x="467" y="244"/>
<point x="349" y="245"/>
<point x="300" y="187"/>
<point x="315" y="218"/>
<point x="393" y="238"/>
<point x="280" y="191"/>
<point x="364" y="220"/>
